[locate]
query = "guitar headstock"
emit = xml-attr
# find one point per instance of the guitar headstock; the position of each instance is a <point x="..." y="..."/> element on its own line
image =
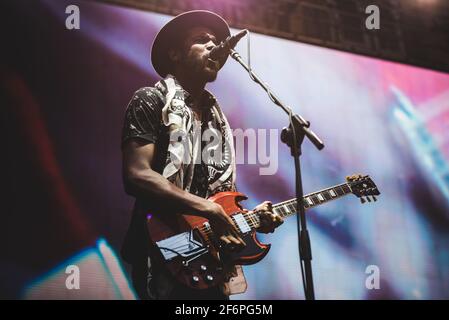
<point x="363" y="187"/>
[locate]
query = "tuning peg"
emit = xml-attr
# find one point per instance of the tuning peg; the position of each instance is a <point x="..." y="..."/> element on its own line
<point x="374" y="198"/>
<point x="362" y="200"/>
<point x="368" y="198"/>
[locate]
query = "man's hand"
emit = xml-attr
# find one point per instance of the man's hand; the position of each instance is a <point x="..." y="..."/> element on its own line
<point x="268" y="220"/>
<point x="223" y="227"/>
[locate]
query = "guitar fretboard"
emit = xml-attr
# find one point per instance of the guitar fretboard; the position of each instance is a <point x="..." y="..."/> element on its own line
<point x="288" y="208"/>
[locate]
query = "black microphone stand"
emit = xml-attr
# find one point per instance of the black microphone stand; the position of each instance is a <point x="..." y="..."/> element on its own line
<point x="293" y="136"/>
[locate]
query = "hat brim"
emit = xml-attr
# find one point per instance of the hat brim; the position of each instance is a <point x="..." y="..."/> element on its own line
<point x="169" y="33"/>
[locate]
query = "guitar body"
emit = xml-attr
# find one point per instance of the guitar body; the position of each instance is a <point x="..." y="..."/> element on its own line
<point x="192" y="254"/>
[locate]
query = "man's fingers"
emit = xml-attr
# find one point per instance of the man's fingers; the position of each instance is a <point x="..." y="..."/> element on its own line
<point x="234" y="232"/>
<point x="264" y="206"/>
<point x="241" y="240"/>
<point x="270" y="221"/>
<point x="272" y="217"/>
<point x="267" y="217"/>
<point x="238" y="238"/>
<point x="235" y="241"/>
<point x="232" y="243"/>
<point x="225" y="239"/>
<point x="279" y="219"/>
<point x="232" y="226"/>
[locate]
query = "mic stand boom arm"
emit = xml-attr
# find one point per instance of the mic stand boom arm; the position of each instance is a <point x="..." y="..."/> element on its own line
<point x="293" y="136"/>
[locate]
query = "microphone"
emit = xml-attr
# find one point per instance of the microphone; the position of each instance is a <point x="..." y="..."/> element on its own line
<point x="225" y="46"/>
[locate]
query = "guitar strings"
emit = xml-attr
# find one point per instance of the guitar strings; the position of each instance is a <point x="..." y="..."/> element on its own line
<point x="252" y="219"/>
<point x="253" y="222"/>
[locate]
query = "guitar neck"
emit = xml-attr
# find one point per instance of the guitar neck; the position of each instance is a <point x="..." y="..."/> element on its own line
<point x="289" y="208"/>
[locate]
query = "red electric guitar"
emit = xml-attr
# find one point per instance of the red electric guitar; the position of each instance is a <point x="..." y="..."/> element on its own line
<point x="190" y="251"/>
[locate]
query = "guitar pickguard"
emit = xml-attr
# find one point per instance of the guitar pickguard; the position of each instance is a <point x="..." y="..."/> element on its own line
<point x="182" y="244"/>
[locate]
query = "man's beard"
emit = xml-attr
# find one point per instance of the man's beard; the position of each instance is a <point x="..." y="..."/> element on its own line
<point x="202" y="69"/>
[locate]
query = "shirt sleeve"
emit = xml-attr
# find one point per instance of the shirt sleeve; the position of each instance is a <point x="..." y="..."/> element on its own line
<point x="143" y="116"/>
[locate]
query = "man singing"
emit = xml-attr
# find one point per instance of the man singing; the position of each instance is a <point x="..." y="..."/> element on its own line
<point x="156" y="170"/>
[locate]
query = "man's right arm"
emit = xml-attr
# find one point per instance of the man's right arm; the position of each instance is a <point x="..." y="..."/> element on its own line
<point x="141" y="181"/>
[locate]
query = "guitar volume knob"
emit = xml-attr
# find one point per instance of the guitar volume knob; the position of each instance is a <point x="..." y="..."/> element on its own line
<point x="195" y="279"/>
<point x="209" y="278"/>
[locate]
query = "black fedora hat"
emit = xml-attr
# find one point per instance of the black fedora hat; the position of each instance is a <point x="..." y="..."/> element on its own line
<point x="171" y="31"/>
